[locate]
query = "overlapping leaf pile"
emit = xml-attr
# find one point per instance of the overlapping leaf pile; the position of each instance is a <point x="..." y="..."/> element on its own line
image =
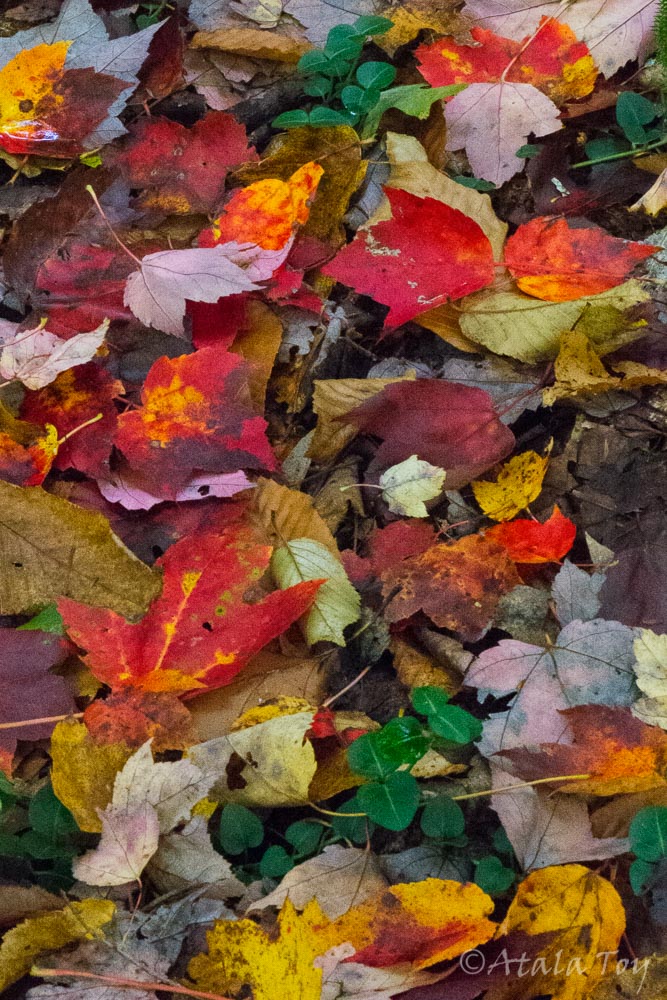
<point x="332" y="544"/>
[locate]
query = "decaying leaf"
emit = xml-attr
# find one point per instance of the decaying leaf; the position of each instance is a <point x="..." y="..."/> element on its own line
<point x="519" y="482"/>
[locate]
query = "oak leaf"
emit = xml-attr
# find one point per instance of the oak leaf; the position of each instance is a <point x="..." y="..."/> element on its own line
<point x="199" y="633"/>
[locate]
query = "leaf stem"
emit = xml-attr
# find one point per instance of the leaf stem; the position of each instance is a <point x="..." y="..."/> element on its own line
<point x="44" y="719"/>
<point x="626" y="154"/>
<point x="128" y="984"/>
<point x="120" y="243"/>
<point x="522" y="784"/>
<point x="75" y="430"/>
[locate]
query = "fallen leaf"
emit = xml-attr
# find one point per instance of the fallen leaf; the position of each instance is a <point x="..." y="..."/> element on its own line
<point x="157" y="292"/>
<point x="52" y="548"/>
<point x="148" y="799"/>
<point x="586" y="914"/>
<point x="654" y="200"/>
<point x="266" y="213"/>
<point x="27" y="688"/>
<point x="186" y="858"/>
<point x="129" y="489"/>
<point x="576" y="593"/>
<point x="73" y="398"/>
<point x="419" y="922"/>
<point x="528" y="541"/>
<point x="615" y="31"/>
<point x="407" y="485"/>
<point x="286" y="514"/>
<point x="448" y="425"/>
<point x="556" y="262"/>
<point x="519" y="482"/>
<point x="83" y="772"/>
<point x="403" y="262"/>
<point x="528" y="329"/>
<point x="196" y="418"/>
<point x="457" y="584"/>
<point x="36" y="357"/>
<point x="242" y="955"/>
<point x="620" y="753"/>
<point x="26" y="450"/>
<point x="589" y="663"/>
<point x="338" y="878"/>
<point x="337" y="604"/>
<point x="651" y="673"/>
<point x="50" y="932"/>
<point x="181" y="170"/>
<point x="270" y="764"/>
<point x="552" y="59"/>
<point x="335" y="398"/>
<point x="253" y="42"/>
<point x="199" y="633"/>
<point x="131" y="717"/>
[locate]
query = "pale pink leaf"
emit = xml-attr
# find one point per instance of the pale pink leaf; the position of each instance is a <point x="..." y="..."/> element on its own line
<point x="36" y="357"/>
<point x="492" y="120"/>
<point x="131" y="490"/>
<point x="614" y="30"/>
<point x="157" y="293"/>
<point x="129" y="841"/>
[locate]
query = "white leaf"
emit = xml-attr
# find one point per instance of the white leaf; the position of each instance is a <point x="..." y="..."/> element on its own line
<point x="492" y="120"/>
<point x="157" y="293"/>
<point x="130" y="489"/>
<point x="187" y="858"/>
<point x="408" y="484"/>
<point x="129" y="840"/>
<point x="337" y="603"/>
<point x="36" y="357"/>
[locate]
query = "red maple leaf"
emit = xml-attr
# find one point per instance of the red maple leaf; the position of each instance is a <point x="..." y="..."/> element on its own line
<point x="528" y="541"/>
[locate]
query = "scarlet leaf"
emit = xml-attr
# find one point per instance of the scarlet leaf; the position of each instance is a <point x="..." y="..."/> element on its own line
<point x="457" y="585"/>
<point x="444" y="423"/>
<point x="532" y="542"/>
<point x="552" y="260"/>
<point x="199" y="633"/>
<point x="196" y="417"/>
<point x="552" y="60"/>
<point x="426" y="254"/>
<point x="181" y="170"/>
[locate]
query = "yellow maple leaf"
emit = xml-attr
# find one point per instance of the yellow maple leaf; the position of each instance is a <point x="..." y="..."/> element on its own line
<point x="584" y="913"/>
<point x="519" y="482"/>
<point x="241" y="954"/>
<point x="48" y="932"/>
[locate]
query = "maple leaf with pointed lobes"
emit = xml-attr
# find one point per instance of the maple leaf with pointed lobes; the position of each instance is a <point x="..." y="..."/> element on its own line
<point x="267" y="212"/>
<point x="553" y="60"/>
<point x="196" y="417"/>
<point x="426" y="254"/>
<point x="199" y="633"/>
<point x="621" y="753"/>
<point x="179" y="169"/>
<point x="49" y="110"/>
<point x="532" y="542"/>
<point x="554" y="261"/>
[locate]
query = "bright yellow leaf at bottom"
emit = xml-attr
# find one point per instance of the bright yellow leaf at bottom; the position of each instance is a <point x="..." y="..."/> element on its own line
<point x="584" y="913"/>
<point x="241" y="954"/>
<point x="48" y="932"/>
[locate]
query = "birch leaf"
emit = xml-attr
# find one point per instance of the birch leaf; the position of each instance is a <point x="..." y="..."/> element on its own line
<point x="407" y="485"/>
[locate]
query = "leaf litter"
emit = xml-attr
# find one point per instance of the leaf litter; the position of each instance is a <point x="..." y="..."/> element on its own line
<point x="332" y="544"/>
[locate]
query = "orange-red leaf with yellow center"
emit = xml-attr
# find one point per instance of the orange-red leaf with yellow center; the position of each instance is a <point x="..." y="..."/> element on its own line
<point x="48" y="110"/>
<point x="267" y="212"/>
<point x="552" y="60"/>
<point x="552" y="260"/>
<point x="26" y="450"/>
<point x="200" y="632"/>
<point x="532" y="542"/>
<point x="197" y="416"/>
<point x="621" y="753"/>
